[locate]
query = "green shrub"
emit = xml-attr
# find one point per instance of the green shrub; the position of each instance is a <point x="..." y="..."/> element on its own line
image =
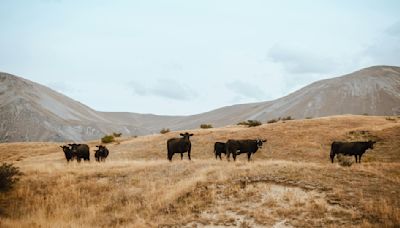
<point x="164" y="130"/>
<point x="9" y="175"/>
<point x="205" y="126"/>
<point x="309" y="117"/>
<point x="272" y="121"/>
<point x="107" y="139"/>
<point x="250" y="123"/>
<point x="287" y="118"/>
<point x="117" y="134"/>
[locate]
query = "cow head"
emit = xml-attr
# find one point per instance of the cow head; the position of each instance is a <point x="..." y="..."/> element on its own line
<point x="186" y="135"/>
<point x="371" y="144"/>
<point x="260" y="142"/>
<point x="65" y="148"/>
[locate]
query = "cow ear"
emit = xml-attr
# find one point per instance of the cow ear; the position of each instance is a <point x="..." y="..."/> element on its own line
<point x="181" y="134"/>
<point x="191" y="135"/>
<point x="264" y="140"/>
<point x="61" y="146"/>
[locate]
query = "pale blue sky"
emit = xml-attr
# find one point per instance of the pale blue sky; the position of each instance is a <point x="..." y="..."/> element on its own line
<point x="186" y="57"/>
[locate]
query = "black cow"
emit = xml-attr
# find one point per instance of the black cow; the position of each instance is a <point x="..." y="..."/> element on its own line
<point x="68" y="153"/>
<point x="80" y="151"/>
<point x="101" y="153"/>
<point x="236" y="147"/>
<point x="219" y="148"/>
<point x="351" y="148"/>
<point x="179" y="145"/>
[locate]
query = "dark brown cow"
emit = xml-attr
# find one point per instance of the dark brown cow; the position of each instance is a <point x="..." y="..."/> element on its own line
<point x="219" y="148"/>
<point x="101" y="153"/>
<point x="179" y="145"/>
<point x="249" y="146"/>
<point x="80" y="151"/>
<point x="351" y="148"/>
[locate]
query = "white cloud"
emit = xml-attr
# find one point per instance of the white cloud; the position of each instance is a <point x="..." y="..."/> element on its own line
<point x="164" y="88"/>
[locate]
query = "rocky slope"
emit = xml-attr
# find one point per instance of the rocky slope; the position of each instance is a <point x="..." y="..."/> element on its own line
<point x="32" y="112"/>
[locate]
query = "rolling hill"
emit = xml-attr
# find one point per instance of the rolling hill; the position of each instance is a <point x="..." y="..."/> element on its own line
<point x="33" y="112"/>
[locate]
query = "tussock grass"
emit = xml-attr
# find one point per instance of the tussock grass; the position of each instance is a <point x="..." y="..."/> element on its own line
<point x="290" y="182"/>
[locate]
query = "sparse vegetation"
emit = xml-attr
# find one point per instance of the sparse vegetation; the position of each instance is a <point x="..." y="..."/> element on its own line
<point x="287" y="118"/>
<point x="108" y="139"/>
<point x="250" y="123"/>
<point x="117" y="134"/>
<point x="206" y="126"/>
<point x="164" y="130"/>
<point x="309" y="117"/>
<point x="390" y="118"/>
<point x="9" y="175"/>
<point x="291" y="181"/>
<point x="345" y="161"/>
<point x="273" y="121"/>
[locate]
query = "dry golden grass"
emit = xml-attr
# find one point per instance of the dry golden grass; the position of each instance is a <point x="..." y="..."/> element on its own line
<point x="290" y="182"/>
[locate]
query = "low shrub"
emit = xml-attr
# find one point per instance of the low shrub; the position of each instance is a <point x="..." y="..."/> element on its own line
<point x="117" y="134"/>
<point x="272" y="121"/>
<point x="205" y="126"/>
<point x="250" y="123"/>
<point x="345" y="161"/>
<point x="164" y="130"/>
<point x="287" y="118"/>
<point x="107" y="139"/>
<point x="9" y="175"/>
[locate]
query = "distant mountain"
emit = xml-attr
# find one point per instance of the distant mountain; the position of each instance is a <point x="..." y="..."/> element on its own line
<point x="373" y="91"/>
<point x="32" y="112"/>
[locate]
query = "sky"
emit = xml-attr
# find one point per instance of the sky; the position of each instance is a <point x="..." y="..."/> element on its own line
<point x="179" y="57"/>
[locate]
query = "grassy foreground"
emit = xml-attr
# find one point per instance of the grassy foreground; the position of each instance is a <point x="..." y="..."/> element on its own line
<point x="290" y="181"/>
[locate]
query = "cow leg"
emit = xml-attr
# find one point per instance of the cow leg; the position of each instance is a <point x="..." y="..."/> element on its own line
<point x="355" y="157"/>
<point x="234" y="156"/>
<point x="189" y="155"/>
<point x="220" y="158"/>
<point x="181" y="156"/>
<point x="248" y="156"/>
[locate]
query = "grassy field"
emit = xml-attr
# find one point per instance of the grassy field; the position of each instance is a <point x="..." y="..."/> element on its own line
<point x="290" y="182"/>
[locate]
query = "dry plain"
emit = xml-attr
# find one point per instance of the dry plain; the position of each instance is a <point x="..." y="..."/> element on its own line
<point x="290" y="182"/>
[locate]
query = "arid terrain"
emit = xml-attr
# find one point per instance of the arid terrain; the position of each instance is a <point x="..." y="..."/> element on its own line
<point x="33" y="112"/>
<point x="290" y="182"/>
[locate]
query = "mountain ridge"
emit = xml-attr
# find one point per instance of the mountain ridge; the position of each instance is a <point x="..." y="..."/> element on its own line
<point x="32" y="112"/>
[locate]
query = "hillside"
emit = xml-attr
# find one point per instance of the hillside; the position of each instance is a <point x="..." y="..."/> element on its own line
<point x="289" y="183"/>
<point x="373" y="91"/>
<point x="32" y="112"/>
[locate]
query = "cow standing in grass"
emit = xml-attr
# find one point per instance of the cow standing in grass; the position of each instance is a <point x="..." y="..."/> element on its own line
<point x="179" y="145"/>
<point x="351" y="148"/>
<point x="67" y="152"/>
<point x="80" y="151"/>
<point x="219" y="148"/>
<point x="101" y="153"/>
<point x="236" y="147"/>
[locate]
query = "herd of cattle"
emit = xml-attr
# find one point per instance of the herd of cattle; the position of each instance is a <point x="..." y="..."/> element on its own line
<point x="81" y="151"/>
<point x="235" y="147"/>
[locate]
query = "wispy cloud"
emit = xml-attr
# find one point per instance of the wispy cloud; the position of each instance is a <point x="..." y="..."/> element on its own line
<point x="165" y="88"/>
<point x="246" y="90"/>
<point x="299" y="61"/>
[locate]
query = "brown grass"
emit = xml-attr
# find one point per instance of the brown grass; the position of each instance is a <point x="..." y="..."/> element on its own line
<point x="289" y="182"/>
